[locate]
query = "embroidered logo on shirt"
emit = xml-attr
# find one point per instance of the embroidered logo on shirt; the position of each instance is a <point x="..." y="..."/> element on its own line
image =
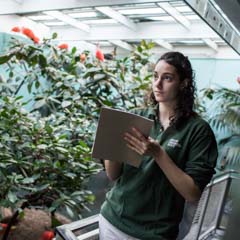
<point x="174" y="143"/>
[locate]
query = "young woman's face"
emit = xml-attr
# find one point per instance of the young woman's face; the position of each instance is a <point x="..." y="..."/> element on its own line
<point x="165" y="83"/>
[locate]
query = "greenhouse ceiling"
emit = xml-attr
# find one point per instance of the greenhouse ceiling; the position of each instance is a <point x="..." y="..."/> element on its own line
<point x="172" y="25"/>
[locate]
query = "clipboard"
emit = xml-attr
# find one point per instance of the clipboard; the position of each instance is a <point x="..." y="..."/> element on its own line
<point x="109" y="141"/>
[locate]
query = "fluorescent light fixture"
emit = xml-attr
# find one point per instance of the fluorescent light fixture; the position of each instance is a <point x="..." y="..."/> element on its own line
<point x="110" y="12"/>
<point x="190" y="41"/>
<point x="164" y="44"/>
<point x="184" y="9"/>
<point x="211" y="43"/>
<point x="55" y="23"/>
<point x="221" y="41"/>
<point x="82" y="14"/>
<point x="69" y="20"/>
<point x="141" y="11"/>
<point x="192" y="17"/>
<point x="163" y="18"/>
<point x="40" y="17"/>
<point x="122" y="44"/>
<point x="100" y="21"/>
<point x="175" y="14"/>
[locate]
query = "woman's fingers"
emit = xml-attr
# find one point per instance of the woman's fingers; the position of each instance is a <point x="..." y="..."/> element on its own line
<point x="143" y="146"/>
<point x="133" y="140"/>
<point x="138" y="134"/>
<point x="135" y="143"/>
<point x="138" y="150"/>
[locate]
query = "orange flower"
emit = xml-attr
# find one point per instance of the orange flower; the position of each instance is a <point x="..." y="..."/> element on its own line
<point x="47" y="235"/>
<point x="36" y="39"/>
<point x="99" y="54"/>
<point x="63" y="46"/>
<point x="28" y="32"/>
<point x="16" y="29"/>
<point x="3" y="227"/>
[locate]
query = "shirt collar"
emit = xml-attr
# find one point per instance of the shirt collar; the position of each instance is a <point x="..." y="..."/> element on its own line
<point x="153" y="112"/>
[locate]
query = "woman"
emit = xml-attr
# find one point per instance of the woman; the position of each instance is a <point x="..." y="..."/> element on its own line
<point x="178" y="161"/>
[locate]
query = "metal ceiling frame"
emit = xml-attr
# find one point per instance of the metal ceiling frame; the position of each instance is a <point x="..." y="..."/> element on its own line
<point x="128" y="28"/>
<point x="215" y="17"/>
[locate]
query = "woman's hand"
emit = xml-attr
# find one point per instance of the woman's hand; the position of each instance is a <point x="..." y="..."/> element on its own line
<point x="142" y="145"/>
<point x="182" y="182"/>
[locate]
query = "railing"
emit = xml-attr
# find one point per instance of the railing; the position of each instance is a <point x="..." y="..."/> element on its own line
<point x="85" y="229"/>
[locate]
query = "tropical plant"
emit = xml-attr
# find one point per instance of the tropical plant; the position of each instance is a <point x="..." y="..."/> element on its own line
<point x="223" y="112"/>
<point x="49" y="105"/>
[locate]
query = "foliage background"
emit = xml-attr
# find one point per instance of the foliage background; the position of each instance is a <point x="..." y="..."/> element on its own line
<point x="46" y="140"/>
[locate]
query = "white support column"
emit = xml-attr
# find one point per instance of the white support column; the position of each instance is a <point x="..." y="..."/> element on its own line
<point x="175" y="14"/>
<point x="163" y="44"/>
<point x="122" y="44"/>
<point x="211" y="43"/>
<point x="69" y="20"/>
<point x="117" y="16"/>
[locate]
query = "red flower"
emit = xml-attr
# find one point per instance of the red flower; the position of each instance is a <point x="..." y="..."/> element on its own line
<point x="28" y="32"/>
<point x="4" y="225"/>
<point x="36" y="39"/>
<point x="99" y="54"/>
<point x="16" y="29"/>
<point x="238" y="80"/>
<point x="63" y="46"/>
<point x="47" y="235"/>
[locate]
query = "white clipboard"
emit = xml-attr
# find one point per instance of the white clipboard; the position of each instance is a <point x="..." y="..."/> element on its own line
<point x="109" y="140"/>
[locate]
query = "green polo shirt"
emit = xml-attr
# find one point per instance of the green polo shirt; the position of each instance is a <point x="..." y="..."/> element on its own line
<point x="143" y="203"/>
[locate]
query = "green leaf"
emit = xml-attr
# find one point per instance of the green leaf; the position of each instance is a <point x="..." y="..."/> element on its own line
<point x="28" y="180"/>
<point x="42" y="146"/>
<point x="57" y="164"/>
<point x="69" y="211"/>
<point x="54" y="35"/>
<point x="54" y="100"/>
<point x="49" y="129"/>
<point x="59" y="84"/>
<point x="42" y="187"/>
<point x="66" y="104"/>
<point x="42" y="61"/>
<point x="11" y="74"/>
<point x="61" y="149"/>
<point x="37" y="84"/>
<point x="74" y="50"/>
<point x="29" y="87"/>
<point x="21" y="213"/>
<point x="12" y="197"/>
<point x="5" y="58"/>
<point x="70" y="175"/>
<point x="39" y="103"/>
<point x="55" y="222"/>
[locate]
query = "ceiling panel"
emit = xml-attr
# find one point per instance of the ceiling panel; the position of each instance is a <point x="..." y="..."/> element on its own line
<point x="171" y="24"/>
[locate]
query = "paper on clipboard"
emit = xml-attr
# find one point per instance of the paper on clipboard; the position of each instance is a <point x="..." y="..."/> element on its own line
<point x="109" y="141"/>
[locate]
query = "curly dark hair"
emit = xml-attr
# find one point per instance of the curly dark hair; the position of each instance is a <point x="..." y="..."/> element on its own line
<point x="186" y="96"/>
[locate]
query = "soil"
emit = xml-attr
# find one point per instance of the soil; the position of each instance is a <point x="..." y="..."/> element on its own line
<point x="34" y="223"/>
